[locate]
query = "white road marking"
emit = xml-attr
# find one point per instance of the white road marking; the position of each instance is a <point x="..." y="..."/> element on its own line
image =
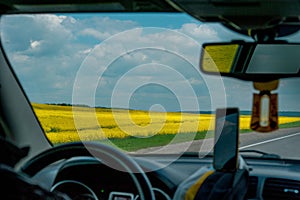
<point x="271" y="140"/>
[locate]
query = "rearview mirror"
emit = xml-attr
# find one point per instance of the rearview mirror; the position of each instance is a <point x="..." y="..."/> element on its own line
<point x="251" y="61"/>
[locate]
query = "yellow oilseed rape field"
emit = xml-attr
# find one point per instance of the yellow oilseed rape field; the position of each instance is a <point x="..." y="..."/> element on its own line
<point x="67" y="124"/>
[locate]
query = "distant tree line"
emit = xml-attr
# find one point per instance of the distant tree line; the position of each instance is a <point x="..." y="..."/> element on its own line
<point x="68" y="104"/>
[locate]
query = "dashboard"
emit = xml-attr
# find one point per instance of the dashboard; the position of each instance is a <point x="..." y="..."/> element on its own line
<point x="88" y="178"/>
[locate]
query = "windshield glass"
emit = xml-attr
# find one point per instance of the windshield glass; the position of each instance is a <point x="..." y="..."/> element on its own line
<point x="133" y="81"/>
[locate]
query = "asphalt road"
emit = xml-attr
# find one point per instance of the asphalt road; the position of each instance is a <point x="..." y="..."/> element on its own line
<point x="286" y="146"/>
<point x="284" y="142"/>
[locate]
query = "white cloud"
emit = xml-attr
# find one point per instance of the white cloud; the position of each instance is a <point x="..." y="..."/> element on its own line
<point x="19" y="58"/>
<point x="199" y="31"/>
<point x="101" y="28"/>
<point x="94" y="33"/>
<point x="86" y="51"/>
<point x="52" y="48"/>
<point x="34" y="44"/>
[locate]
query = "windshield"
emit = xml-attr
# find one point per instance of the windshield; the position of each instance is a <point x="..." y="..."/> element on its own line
<point x="133" y="81"/>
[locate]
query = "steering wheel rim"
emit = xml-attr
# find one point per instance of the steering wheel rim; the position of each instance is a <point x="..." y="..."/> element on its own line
<point x="107" y="154"/>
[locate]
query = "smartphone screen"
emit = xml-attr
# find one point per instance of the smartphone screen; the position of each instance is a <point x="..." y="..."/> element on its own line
<point x="226" y="139"/>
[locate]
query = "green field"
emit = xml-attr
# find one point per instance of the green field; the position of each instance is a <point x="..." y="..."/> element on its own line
<point x="130" y="130"/>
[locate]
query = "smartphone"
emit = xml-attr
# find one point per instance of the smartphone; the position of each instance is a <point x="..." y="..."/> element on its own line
<point x="226" y="140"/>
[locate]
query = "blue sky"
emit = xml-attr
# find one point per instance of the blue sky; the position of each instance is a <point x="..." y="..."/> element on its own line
<point x="137" y="61"/>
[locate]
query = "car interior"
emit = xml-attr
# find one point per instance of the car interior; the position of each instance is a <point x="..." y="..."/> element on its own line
<point x="157" y="99"/>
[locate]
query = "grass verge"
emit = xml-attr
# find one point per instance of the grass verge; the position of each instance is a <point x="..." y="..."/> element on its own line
<point x="134" y="143"/>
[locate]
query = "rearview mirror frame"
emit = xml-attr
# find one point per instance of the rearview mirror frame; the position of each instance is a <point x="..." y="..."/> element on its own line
<point x="240" y="65"/>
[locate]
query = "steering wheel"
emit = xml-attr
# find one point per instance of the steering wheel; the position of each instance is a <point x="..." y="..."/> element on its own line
<point x="107" y="154"/>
